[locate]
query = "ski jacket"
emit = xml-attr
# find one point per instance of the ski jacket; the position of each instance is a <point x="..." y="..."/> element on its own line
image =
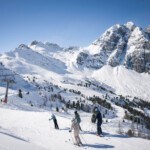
<point x="53" y="117"/>
<point x="77" y="116"/>
<point x="75" y="127"/>
<point x="99" y="118"/>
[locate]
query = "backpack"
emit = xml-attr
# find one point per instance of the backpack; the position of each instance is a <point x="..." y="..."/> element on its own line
<point x="93" y="119"/>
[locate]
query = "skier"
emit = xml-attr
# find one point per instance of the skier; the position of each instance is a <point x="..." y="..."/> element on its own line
<point x="75" y="127"/>
<point x="99" y="122"/>
<point x="55" y="121"/>
<point x="77" y="117"/>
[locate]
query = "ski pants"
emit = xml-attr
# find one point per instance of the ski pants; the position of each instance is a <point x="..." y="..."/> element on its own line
<point x="99" y="129"/>
<point x="77" y="138"/>
<point x="55" y="123"/>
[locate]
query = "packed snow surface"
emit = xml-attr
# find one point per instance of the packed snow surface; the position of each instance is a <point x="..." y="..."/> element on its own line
<point x="25" y="127"/>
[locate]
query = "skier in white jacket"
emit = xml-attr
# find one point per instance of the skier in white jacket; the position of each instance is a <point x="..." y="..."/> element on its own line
<point x="75" y="127"/>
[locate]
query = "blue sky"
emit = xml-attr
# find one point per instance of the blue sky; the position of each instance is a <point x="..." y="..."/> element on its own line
<point x="66" y="22"/>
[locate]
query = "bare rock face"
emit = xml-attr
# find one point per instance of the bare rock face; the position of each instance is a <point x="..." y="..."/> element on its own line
<point x="147" y="30"/>
<point x="34" y="43"/>
<point x="137" y="57"/>
<point x="91" y="61"/>
<point x="81" y="58"/>
<point x="23" y="46"/>
<point x="126" y="45"/>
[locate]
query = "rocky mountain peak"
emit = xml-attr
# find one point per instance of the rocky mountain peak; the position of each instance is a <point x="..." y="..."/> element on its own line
<point x="126" y="44"/>
<point x="23" y="46"/>
<point x="147" y="30"/>
<point x="36" y="43"/>
<point x="130" y="25"/>
<point x="52" y="45"/>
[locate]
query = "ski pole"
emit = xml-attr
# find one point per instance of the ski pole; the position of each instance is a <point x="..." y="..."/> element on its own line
<point x="83" y="139"/>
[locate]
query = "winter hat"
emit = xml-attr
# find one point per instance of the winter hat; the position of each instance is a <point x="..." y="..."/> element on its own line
<point x="75" y="112"/>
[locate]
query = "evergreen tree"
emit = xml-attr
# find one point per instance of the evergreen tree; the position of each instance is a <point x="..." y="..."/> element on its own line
<point x="57" y="109"/>
<point x="20" y="93"/>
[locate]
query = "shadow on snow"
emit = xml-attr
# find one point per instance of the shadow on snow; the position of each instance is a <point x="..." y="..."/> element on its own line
<point x="98" y="146"/>
<point x="16" y="137"/>
<point x="107" y="134"/>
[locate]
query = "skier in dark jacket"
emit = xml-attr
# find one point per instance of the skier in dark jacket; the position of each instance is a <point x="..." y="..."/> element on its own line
<point x="99" y="122"/>
<point x="55" y="121"/>
<point x="77" y="117"/>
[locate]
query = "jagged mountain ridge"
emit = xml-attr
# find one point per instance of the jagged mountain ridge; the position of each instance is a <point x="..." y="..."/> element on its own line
<point x="126" y="45"/>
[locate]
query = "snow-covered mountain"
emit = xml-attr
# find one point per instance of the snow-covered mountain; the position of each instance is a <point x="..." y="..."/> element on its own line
<point x="50" y="47"/>
<point x="112" y="73"/>
<point x="127" y="45"/>
<point x="125" y="48"/>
